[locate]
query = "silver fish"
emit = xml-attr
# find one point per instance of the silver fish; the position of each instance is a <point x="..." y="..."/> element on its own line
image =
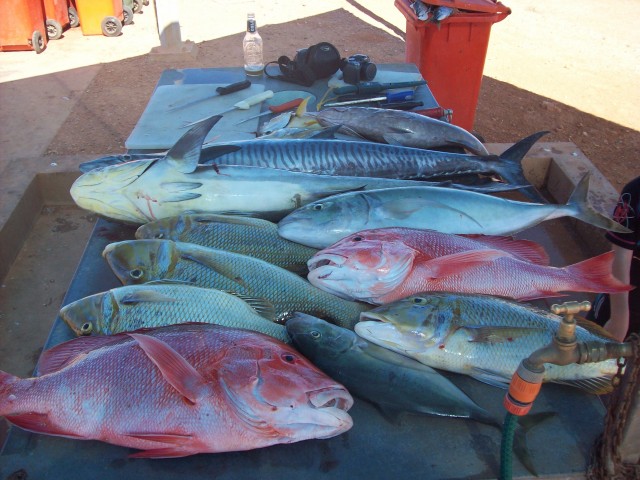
<point x="140" y="261"/>
<point x="324" y="222"/>
<point x="132" y="307"/>
<point x="248" y="236"/>
<point x="482" y="336"/>
<point x="397" y="127"/>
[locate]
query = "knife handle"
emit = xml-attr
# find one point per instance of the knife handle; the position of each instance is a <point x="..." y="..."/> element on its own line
<point x="248" y="102"/>
<point x="234" y="87"/>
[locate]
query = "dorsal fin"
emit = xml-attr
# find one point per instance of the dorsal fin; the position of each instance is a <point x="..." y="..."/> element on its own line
<point x="185" y="154"/>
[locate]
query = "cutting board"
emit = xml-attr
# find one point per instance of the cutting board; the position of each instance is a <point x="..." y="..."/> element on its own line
<point x="159" y="128"/>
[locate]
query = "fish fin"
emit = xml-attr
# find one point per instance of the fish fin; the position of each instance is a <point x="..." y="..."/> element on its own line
<point x="64" y="354"/>
<point x="509" y="165"/>
<point x="395" y="137"/>
<point x="164" y="437"/>
<point x="262" y="306"/>
<point x="176" y="191"/>
<point x="526" y="250"/>
<point x="179" y="373"/>
<point x="184" y="156"/>
<point x="162" y="453"/>
<point x="493" y="334"/>
<point x="579" y="204"/>
<point x="520" y="444"/>
<point x="457" y="263"/>
<point x="403" y="208"/>
<point x="594" y="275"/>
<point x="212" y="152"/>
<point x="490" y="378"/>
<point x="326" y="133"/>
<point x="169" y="281"/>
<point x="141" y="296"/>
<point x="39" y="423"/>
<point x="595" y="386"/>
<point x="221" y="268"/>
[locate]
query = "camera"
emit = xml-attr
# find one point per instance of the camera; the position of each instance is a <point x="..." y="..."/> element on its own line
<point x="358" y="68"/>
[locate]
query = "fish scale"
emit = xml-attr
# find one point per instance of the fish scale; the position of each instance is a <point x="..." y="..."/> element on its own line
<point x="201" y="266"/>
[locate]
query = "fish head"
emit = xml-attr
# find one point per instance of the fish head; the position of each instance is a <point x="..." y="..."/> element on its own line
<point x="90" y="314"/>
<point x="324" y="222"/>
<point x="316" y="338"/>
<point x="412" y="324"/>
<point x="275" y="384"/>
<point x="169" y="228"/>
<point x="101" y="190"/>
<point x="363" y="266"/>
<point x="140" y="261"/>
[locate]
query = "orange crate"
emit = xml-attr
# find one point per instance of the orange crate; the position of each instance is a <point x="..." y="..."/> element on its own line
<point x="451" y="56"/>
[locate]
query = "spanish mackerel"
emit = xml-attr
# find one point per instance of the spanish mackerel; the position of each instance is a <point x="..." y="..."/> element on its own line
<point x="369" y="159"/>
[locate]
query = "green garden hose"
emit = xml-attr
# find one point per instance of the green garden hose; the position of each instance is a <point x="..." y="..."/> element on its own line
<point x="506" y="447"/>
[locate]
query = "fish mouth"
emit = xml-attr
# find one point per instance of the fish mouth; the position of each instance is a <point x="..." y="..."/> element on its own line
<point x="330" y="397"/>
<point x="373" y="316"/>
<point x="321" y="261"/>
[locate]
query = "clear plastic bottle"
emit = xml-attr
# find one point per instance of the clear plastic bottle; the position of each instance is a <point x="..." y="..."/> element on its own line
<point x="252" y="48"/>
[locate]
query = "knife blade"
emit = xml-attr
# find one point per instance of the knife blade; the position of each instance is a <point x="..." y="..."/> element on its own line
<point x="245" y="104"/>
<point x="226" y="90"/>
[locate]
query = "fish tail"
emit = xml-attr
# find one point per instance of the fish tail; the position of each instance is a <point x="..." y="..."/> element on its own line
<point x="594" y="275"/>
<point x="509" y="166"/>
<point x="7" y="387"/>
<point x="582" y="209"/>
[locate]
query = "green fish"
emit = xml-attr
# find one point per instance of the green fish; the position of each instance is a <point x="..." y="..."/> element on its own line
<point x="394" y="383"/>
<point x="140" y="261"/>
<point x="131" y="307"/>
<point x="482" y="336"/>
<point x="249" y="236"/>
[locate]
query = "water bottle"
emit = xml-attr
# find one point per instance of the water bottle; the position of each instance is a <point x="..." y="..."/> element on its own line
<point x="252" y="47"/>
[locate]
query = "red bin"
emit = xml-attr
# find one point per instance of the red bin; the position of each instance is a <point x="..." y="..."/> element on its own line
<point x="22" y="25"/>
<point x="57" y="17"/>
<point x="451" y="55"/>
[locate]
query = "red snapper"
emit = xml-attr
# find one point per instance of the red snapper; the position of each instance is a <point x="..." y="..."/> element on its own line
<point x="177" y="391"/>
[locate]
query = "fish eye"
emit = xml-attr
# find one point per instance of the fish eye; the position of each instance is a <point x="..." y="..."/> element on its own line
<point x="288" y="357"/>
<point x="86" y="328"/>
<point x="357" y="238"/>
<point x="315" y="334"/>
<point x="418" y="300"/>
<point x="136" y="274"/>
<point x="318" y="206"/>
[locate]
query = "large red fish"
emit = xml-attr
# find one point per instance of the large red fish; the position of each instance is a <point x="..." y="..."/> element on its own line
<point x="177" y="391"/>
<point x="383" y="265"/>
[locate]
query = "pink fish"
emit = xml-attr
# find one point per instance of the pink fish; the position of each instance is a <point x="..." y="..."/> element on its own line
<point x="383" y="265"/>
<point x="177" y="391"/>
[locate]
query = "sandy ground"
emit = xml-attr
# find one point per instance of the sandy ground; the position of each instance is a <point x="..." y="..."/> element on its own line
<point x="570" y="69"/>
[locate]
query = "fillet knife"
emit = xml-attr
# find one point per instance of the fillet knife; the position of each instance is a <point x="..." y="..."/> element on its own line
<point x="245" y="104"/>
<point x="226" y="90"/>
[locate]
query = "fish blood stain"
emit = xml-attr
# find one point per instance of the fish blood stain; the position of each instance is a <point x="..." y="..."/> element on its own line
<point x="441" y="347"/>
